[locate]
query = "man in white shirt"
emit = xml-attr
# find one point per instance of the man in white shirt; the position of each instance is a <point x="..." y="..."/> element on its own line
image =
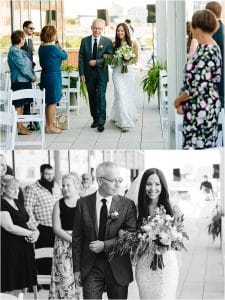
<point x="97" y="222"/>
<point x="86" y="188"/>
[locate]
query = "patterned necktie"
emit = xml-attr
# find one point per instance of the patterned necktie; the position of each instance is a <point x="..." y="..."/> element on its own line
<point x="103" y="221"/>
<point x="94" y="53"/>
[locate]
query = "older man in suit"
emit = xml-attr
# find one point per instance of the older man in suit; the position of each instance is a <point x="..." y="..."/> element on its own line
<point x="98" y="220"/>
<point x="93" y="71"/>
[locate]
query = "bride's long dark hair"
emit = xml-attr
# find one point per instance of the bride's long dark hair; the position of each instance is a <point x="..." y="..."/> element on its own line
<point x="143" y="199"/>
<point x="127" y="36"/>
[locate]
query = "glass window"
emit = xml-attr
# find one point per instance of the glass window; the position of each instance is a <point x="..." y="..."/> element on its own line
<point x="28" y="172"/>
<point x="5" y="25"/>
<point x="16" y="14"/>
<point x="24" y="12"/>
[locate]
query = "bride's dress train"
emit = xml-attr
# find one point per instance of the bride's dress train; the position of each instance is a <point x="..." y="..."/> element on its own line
<point x="124" y="109"/>
<point x="159" y="284"/>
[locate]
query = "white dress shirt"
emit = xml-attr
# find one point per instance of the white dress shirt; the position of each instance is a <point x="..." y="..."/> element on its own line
<point x="99" y="205"/>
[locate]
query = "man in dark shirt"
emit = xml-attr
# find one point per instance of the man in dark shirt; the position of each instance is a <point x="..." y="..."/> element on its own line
<point x="206" y="187"/>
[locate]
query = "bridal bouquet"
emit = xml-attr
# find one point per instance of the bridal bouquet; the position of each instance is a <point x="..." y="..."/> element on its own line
<point x="123" y="55"/>
<point x="159" y="233"/>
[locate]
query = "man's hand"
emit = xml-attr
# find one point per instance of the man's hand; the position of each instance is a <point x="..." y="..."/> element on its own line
<point x="97" y="246"/>
<point x="92" y="63"/>
<point x="77" y="279"/>
<point x="82" y="78"/>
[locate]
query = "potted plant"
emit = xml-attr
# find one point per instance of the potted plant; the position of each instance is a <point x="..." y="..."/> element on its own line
<point x="214" y="228"/>
<point x="151" y="80"/>
<point x="73" y="83"/>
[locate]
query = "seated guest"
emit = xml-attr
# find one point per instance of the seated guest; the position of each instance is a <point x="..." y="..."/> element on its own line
<point x="18" y="269"/>
<point x="51" y="56"/>
<point x="62" y="278"/>
<point x="85" y="187"/>
<point x="21" y="72"/>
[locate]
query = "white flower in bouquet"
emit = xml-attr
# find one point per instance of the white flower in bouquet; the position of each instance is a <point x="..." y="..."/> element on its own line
<point x="123" y="55"/>
<point x="165" y="238"/>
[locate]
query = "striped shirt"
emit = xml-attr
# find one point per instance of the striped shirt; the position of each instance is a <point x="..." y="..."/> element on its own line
<point x="39" y="203"/>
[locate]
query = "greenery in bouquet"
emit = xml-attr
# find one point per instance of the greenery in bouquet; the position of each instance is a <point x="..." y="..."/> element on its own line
<point x="158" y="233"/>
<point x="123" y="56"/>
<point x="214" y="228"/>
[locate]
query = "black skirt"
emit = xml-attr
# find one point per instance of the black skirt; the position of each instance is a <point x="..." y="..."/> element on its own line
<point x="15" y="86"/>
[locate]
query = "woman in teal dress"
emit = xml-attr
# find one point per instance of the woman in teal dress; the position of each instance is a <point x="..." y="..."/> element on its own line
<point x="51" y="56"/>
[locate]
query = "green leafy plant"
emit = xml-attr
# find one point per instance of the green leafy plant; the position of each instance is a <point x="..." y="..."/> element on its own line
<point x="214" y="228"/>
<point x="150" y="82"/>
<point x="73" y="80"/>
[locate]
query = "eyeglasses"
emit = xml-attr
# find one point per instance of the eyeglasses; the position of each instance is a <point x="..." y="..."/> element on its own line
<point x="119" y="180"/>
<point x="31" y="28"/>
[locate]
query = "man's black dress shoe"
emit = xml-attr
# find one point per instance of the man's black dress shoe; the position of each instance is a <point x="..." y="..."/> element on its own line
<point x="100" y="127"/>
<point x="94" y="125"/>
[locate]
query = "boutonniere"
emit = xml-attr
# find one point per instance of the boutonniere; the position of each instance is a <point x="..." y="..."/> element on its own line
<point x="112" y="216"/>
<point x="100" y="47"/>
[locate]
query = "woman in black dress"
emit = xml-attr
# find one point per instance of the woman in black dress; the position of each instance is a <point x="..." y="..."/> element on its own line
<point x="18" y="270"/>
<point x="199" y="100"/>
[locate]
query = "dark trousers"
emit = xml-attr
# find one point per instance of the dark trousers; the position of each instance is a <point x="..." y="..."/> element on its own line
<point x="46" y="239"/>
<point x="96" y="87"/>
<point x="101" y="278"/>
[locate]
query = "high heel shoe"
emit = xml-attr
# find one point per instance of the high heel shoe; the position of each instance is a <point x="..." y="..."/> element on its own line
<point x="124" y="129"/>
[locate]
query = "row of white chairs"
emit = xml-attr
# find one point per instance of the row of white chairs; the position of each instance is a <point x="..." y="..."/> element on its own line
<point x="8" y="114"/>
<point x="9" y="117"/>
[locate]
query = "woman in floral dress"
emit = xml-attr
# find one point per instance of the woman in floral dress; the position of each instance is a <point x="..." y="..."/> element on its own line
<point x="62" y="278"/>
<point x="199" y="99"/>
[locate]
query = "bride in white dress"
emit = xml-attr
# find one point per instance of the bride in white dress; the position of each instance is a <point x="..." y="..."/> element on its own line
<point x="160" y="283"/>
<point x="124" y="109"/>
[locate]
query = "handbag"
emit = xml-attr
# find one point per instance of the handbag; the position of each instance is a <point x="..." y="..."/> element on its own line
<point x="61" y="122"/>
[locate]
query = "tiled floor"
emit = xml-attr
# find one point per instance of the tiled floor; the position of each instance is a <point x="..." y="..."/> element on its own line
<point x="147" y="133"/>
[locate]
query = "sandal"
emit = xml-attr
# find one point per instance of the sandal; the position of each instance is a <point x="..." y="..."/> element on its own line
<point x="124" y="129"/>
<point x="52" y="130"/>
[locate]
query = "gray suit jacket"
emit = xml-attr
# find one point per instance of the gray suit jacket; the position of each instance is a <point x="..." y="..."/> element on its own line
<point x="85" y="55"/>
<point x="85" y="231"/>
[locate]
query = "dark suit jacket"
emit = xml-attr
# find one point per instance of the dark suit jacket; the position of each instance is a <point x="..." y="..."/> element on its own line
<point x="85" y="54"/>
<point x="85" y="231"/>
<point x="28" y="49"/>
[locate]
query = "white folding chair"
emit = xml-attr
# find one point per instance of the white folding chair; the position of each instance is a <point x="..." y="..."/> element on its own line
<point x="221" y="133"/>
<point x="8" y="119"/>
<point x="163" y="98"/>
<point x="37" y="113"/>
<point x="178" y="130"/>
<point x="76" y="90"/>
<point x="64" y="104"/>
<point x="46" y="252"/>
<point x="4" y="100"/>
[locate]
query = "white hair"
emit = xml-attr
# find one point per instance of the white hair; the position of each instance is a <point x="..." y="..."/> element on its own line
<point x="98" y="21"/>
<point x="101" y="169"/>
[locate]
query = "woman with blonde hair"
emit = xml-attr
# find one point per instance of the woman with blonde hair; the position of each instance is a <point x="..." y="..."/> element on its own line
<point x="18" y="269"/>
<point x="62" y="278"/>
<point x="51" y="55"/>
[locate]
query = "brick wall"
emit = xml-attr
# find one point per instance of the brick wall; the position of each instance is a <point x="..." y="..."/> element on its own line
<point x="73" y="57"/>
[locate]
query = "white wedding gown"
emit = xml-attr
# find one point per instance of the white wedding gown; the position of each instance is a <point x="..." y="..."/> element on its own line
<point x="159" y="284"/>
<point x="124" y="109"/>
